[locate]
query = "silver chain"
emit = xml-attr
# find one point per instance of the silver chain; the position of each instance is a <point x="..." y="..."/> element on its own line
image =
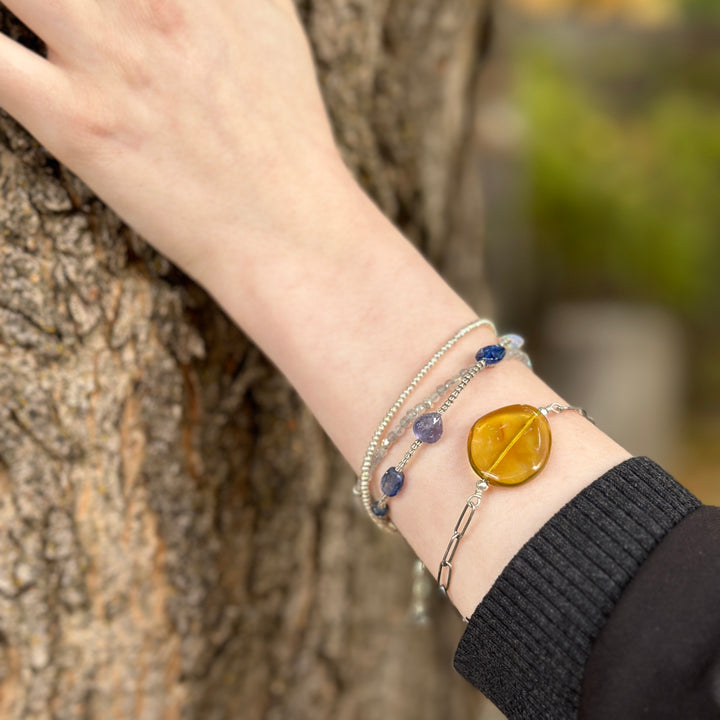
<point x="469" y="375"/>
<point x="428" y="403"/>
<point x="464" y="382"/>
<point x="558" y="408"/>
<point x="461" y="526"/>
<point x="362" y="486"/>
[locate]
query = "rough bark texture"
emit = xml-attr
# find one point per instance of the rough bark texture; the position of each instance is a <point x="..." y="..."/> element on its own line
<point x="177" y="538"/>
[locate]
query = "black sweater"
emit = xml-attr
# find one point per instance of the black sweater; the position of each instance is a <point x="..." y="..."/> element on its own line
<point x="610" y="612"/>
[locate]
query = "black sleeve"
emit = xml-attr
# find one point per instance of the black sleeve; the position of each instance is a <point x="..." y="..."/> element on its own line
<point x="658" y="655"/>
<point x="530" y="644"/>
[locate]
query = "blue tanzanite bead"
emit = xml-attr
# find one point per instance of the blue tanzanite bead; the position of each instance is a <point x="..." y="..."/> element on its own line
<point x="392" y="482"/>
<point x="491" y="354"/>
<point x="380" y="509"/>
<point x="428" y="427"/>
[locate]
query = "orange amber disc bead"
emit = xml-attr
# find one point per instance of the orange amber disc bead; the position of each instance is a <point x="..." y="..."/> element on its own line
<point x="510" y="445"/>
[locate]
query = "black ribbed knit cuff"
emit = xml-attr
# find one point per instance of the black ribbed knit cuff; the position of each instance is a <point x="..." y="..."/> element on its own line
<point x="527" y="643"/>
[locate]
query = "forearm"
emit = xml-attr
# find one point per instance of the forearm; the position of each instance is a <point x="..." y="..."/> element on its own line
<point x="349" y="311"/>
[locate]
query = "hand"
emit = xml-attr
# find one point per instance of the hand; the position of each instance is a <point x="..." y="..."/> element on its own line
<point x="201" y="124"/>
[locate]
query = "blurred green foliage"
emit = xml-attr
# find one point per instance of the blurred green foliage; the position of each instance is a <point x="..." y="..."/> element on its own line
<point x="701" y="8"/>
<point x="624" y="177"/>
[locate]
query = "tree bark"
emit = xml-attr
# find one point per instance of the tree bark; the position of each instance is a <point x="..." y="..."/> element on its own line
<point x="177" y="537"/>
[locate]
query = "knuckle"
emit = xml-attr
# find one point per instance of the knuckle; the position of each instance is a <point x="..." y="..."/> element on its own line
<point x="90" y="128"/>
<point x="164" y="16"/>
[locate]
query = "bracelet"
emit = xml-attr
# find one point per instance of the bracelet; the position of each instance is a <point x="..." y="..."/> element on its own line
<point x="506" y="447"/>
<point x="362" y="485"/>
<point x="428" y="428"/>
<point x="513" y="344"/>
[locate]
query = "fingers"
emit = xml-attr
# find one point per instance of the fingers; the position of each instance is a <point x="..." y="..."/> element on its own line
<point x="29" y="87"/>
<point x="54" y="21"/>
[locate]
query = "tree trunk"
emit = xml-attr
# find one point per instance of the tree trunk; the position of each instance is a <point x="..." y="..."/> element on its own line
<point x="177" y="537"/>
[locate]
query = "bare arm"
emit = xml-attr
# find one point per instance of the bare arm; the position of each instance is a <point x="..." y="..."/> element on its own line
<point x="203" y="126"/>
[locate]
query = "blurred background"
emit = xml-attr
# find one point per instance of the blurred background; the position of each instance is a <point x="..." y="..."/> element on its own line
<point x="600" y="129"/>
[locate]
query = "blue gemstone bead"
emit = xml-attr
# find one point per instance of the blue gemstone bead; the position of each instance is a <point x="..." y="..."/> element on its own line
<point x="392" y="482"/>
<point x="428" y="427"/>
<point x="491" y="354"/>
<point x="380" y="510"/>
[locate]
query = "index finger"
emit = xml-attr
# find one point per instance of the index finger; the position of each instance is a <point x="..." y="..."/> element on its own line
<point x="29" y="86"/>
<point x="51" y="20"/>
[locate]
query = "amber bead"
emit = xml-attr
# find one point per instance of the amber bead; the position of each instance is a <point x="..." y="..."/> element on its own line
<point x="510" y="445"/>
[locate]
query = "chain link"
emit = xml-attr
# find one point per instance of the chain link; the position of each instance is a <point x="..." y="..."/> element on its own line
<point x="558" y="408"/>
<point x="461" y="527"/>
<point x="406" y="458"/>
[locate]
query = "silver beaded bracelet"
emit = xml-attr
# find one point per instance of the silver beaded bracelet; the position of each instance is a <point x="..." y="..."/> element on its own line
<point x="513" y="343"/>
<point x="428" y="428"/>
<point x="362" y="486"/>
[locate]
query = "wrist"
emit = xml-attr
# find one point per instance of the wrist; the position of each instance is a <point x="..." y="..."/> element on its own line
<point x="243" y="249"/>
<point x="344" y="305"/>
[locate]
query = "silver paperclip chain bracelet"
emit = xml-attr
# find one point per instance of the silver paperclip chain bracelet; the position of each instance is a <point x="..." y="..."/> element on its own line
<point x="444" y="574"/>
